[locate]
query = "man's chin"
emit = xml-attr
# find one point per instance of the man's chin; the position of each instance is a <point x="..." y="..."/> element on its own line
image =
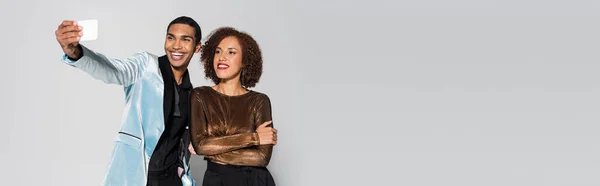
<point x="181" y="65"/>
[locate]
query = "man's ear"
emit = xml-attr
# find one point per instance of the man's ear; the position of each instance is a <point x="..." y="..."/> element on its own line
<point x="198" y="47"/>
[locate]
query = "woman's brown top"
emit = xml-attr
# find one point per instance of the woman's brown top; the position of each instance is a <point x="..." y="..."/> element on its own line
<point x="223" y="128"/>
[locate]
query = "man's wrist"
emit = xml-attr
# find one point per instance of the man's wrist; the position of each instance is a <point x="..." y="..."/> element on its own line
<point x="77" y="54"/>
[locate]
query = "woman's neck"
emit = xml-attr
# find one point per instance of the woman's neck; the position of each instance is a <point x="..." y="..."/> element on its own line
<point x="230" y="88"/>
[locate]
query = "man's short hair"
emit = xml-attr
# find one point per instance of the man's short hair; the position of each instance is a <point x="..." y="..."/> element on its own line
<point x="188" y="21"/>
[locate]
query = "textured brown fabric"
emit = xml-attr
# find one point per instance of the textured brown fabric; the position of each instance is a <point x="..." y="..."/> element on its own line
<point x="223" y="128"/>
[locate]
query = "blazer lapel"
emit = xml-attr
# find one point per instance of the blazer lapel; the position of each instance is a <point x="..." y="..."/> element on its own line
<point x="167" y="75"/>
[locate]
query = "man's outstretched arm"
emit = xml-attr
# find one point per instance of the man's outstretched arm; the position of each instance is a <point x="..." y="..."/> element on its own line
<point x="113" y="71"/>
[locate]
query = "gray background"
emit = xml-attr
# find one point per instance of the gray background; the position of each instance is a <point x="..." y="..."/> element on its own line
<point x="428" y="92"/>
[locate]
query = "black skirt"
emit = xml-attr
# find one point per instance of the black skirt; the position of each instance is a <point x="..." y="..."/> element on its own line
<point x="232" y="175"/>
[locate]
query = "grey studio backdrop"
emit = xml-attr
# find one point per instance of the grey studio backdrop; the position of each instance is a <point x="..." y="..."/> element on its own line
<point x="419" y="93"/>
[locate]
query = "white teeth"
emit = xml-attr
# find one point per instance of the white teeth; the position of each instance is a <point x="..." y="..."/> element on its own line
<point x="177" y="56"/>
<point x="223" y="66"/>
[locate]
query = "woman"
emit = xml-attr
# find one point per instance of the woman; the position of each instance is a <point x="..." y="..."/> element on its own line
<point x="229" y="123"/>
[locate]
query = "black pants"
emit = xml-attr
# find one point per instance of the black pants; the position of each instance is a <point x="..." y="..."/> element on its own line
<point x="168" y="177"/>
<point x="231" y="175"/>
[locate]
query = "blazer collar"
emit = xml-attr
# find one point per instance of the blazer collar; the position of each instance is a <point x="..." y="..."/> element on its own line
<point x="169" y="79"/>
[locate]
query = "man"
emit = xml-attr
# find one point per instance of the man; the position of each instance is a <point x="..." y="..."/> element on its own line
<point x="152" y="145"/>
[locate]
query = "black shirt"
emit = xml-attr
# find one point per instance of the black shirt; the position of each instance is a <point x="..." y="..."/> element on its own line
<point x="166" y="153"/>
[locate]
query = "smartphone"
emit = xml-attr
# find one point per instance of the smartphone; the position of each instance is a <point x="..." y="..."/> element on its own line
<point x="90" y="29"/>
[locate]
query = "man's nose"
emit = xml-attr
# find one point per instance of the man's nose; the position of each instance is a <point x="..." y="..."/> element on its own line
<point x="177" y="44"/>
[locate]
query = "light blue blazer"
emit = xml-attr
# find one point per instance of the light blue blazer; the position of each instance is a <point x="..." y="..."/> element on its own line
<point x="143" y="120"/>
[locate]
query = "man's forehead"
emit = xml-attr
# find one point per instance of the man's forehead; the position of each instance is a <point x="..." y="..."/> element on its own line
<point x="180" y="34"/>
<point x="181" y="30"/>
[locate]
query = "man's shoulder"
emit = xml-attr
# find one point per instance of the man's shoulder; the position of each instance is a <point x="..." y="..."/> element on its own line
<point x="147" y="55"/>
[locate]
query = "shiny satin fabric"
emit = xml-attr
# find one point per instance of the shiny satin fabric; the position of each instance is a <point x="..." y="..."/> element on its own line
<point x="223" y="128"/>
<point x="143" y="121"/>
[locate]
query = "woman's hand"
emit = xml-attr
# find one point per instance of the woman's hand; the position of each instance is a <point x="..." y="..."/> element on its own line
<point x="191" y="149"/>
<point x="266" y="135"/>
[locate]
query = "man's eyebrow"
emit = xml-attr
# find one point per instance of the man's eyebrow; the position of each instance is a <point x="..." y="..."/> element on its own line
<point x="184" y="36"/>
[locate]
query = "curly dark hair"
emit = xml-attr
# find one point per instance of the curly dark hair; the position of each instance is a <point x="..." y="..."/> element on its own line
<point x="251" y="56"/>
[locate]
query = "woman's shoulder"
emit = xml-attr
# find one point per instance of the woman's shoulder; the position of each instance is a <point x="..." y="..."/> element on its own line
<point x="201" y="90"/>
<point x="260" y="96"/>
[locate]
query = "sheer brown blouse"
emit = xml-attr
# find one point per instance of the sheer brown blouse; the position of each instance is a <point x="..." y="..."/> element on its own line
<point x="223" y="128"/>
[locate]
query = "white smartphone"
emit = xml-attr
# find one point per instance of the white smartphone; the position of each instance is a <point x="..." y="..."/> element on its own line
<point x="90" y="29"/>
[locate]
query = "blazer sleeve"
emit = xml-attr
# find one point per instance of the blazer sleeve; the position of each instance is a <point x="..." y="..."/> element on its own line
<point x="110" y="70"/>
